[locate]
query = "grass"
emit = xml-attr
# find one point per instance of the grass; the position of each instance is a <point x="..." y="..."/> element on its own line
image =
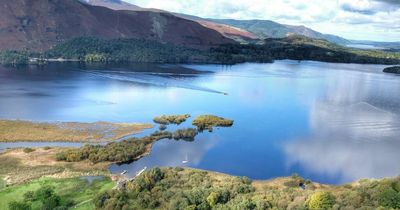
<point x="15" y="130"/>
<point x="74" y="189"/>
<point x="2" y="183"/>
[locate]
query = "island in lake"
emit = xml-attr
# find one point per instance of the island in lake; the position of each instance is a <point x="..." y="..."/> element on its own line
<point x="54" y="171"/>
<point x="255" y="105"/>
<point x="393" y="69"/>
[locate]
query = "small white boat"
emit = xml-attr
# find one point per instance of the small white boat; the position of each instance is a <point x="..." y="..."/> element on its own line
<point x="124" y="172"/>
<point x="141" y="171"/>
<point x="186" y="160"/>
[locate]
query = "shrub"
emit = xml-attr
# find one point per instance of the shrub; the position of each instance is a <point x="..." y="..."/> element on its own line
<point x="247" y="204"/>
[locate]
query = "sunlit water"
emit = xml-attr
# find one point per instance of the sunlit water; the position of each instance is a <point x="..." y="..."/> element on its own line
<point x="331" y="123"/>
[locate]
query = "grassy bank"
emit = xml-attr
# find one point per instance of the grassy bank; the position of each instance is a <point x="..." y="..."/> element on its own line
<point x="17" y="166"/>
<point x="185" y="188"/>
<point x="15" y="130"/>
<point x="72" y="190"/>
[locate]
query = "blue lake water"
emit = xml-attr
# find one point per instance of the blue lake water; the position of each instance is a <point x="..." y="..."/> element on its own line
<point x="331" y="123"/>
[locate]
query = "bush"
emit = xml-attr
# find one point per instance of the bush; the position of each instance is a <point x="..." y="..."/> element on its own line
<point x="19" y="206"/>
<point x="28" y="150"/>
<point x="247" y="204"/>
<point x="321" y="201"/>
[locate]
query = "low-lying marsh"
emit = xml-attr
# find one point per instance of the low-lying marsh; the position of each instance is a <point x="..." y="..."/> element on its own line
<point x="15" y="130"/>
<point x="17" y="166"/>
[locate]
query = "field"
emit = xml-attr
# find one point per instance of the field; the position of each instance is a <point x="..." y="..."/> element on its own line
<point x="15" y="130"/>
<point x="78" y="190"/>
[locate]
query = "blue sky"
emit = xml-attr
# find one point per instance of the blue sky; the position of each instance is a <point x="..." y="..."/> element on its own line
<point x="353" y="19"/>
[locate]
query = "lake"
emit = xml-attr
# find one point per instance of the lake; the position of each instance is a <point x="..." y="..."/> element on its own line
<point x="331" y="123"/>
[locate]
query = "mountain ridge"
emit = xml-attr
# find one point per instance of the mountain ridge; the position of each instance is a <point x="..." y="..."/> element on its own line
<point x="38" y="25"/>
<point x="240" y="30"/>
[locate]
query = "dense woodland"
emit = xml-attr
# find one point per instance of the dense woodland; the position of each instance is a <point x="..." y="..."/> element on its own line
<point x="208" y="122"/>
<point x="89" y="49"/>
<point x="177" y="188"/>
<point x="123" y="151"/>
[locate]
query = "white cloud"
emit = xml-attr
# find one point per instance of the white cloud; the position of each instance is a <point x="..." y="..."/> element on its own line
<point x="354" y="19"/>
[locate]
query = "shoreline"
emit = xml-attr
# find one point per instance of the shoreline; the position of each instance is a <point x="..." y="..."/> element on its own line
<point x="72" y="169"/>
<point x="66" y="60"/>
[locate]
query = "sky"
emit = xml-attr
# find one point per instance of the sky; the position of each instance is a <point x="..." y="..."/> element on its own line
<point x="377" y="20"/>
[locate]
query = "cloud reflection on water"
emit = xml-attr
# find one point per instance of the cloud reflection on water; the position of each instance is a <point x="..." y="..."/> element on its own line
<point x="351" y="138"/>
<point x="171" y="153"/>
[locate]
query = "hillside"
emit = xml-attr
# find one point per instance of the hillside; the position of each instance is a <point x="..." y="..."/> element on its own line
<point x="113" y="4"/>
<point x="226" y="30"/>
<point x="270" y="29"/>
<point x="39" y="25"/>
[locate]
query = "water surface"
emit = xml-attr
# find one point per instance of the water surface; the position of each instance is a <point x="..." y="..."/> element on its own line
<point x="331" y="123"/>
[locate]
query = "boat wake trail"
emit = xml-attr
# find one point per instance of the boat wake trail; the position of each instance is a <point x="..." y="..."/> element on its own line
<point x="151" y="79"/>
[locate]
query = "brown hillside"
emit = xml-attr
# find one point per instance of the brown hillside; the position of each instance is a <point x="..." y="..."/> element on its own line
<point x="226" y="30"/>
<point x="40" y="24"/>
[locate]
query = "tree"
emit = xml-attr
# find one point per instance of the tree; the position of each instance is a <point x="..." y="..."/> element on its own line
<point x="212" y="199"/>
<point x="389" y="198"/>
<point x="51" y="202"/>
<point x="321" y="201"/>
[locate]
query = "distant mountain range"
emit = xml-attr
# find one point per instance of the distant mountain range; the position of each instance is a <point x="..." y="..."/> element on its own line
<point x="270" y="29"/>
<point x="240" y="30"/>
<point x="248" y="30"/>
<point x="41" y="24"/>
